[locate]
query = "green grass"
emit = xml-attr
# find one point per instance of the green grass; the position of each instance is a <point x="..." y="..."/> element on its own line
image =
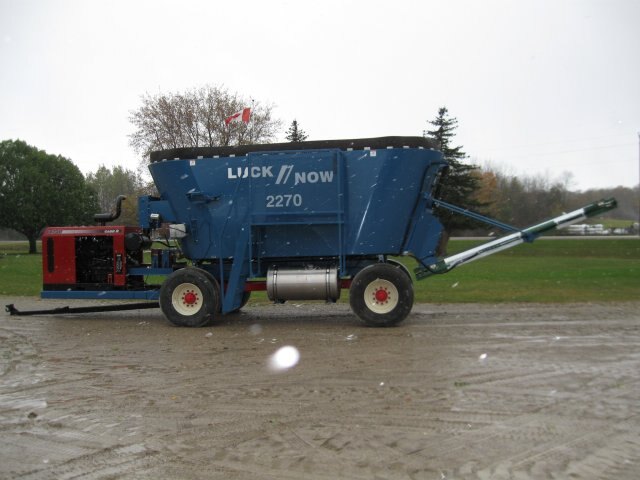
<point x="579" y="270"/>
<point x="20" y="273"/>
<point x="611" y="222"/>
<point x="564" y="270"/>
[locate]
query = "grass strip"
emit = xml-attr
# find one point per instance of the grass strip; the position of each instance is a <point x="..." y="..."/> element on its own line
<point x="548" y="271"/>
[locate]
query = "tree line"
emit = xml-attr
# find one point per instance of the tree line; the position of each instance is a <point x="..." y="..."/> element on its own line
<point x="522" y="201"/>
<point x="39" y="189"/>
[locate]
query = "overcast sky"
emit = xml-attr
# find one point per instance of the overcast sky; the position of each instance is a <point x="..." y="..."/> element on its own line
<point x="538" y="86"/>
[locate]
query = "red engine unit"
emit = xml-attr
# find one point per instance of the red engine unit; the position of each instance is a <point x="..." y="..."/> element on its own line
<point x="89" y="258"/>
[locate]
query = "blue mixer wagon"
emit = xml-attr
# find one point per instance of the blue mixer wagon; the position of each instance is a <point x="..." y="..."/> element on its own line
<point x="302" y="221"/>
<point x="305" y="220"/>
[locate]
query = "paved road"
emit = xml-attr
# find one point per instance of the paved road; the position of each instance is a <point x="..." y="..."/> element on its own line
<point x="456" y="392"/>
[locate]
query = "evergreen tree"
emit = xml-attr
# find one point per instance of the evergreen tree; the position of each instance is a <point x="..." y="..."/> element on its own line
<point x="295" y="133"/>
<point x="461" y="182"/>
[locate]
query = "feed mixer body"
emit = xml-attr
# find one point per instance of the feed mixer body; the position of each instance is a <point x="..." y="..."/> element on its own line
<point x="341" y="200"/>
<point x="295" y="214"/>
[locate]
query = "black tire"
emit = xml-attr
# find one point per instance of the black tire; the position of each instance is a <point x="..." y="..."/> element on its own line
<point x="190" y="297"/>
<point x="245" y="296"/>
<point x="381" y="295"/>
<point x="401" y="266"/>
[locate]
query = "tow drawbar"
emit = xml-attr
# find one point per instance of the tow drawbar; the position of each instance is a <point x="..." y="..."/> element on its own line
<point x="12" y="310"/>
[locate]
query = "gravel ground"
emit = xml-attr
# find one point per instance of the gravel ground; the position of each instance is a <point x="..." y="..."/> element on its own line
<point x="455" y="392"/>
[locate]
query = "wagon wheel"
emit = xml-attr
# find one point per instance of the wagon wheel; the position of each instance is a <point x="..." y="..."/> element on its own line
<point x="245" y="296"/>
<point x="400" y="265"/>
<point x="381" y="295"/>
<point x="190" y="297"/>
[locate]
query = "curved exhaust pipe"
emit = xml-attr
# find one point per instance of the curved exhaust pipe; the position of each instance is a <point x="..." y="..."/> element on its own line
<point x="103" y="218"/>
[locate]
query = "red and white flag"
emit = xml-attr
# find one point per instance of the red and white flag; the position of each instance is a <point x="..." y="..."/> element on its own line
<point x="242" y="116"/>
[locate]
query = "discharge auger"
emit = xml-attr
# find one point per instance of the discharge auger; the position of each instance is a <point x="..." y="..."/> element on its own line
<point x="528" y="234"/>
<point x="300" y="221"/>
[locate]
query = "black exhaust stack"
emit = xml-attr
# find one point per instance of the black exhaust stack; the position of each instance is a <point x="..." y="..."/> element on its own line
<point x="103" y="218"/>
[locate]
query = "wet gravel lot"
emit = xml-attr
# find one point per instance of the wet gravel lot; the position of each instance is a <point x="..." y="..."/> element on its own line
<point x="457" y="391"/>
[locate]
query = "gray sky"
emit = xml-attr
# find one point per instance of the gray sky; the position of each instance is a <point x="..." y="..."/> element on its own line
<point x="538" y="86"/>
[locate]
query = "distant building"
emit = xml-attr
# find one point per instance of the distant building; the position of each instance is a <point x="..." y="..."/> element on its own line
<point x="584" y="229"/>
<point x="6" y="234"/>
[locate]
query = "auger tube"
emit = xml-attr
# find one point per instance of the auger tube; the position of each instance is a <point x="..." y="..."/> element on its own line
<point x="446" y="264"/>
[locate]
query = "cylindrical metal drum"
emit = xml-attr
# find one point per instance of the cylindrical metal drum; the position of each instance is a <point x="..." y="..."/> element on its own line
<point x="313" y="283"/>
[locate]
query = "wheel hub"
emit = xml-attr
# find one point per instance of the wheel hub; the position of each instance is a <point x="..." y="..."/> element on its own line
<point x="189" y="298"/>
<point x="381" y="295"/>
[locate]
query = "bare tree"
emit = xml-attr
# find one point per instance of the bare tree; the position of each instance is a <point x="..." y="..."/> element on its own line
<point x="195" y="118"/>
<point x="526" y="199"/>
<point x="108" y="184"/>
